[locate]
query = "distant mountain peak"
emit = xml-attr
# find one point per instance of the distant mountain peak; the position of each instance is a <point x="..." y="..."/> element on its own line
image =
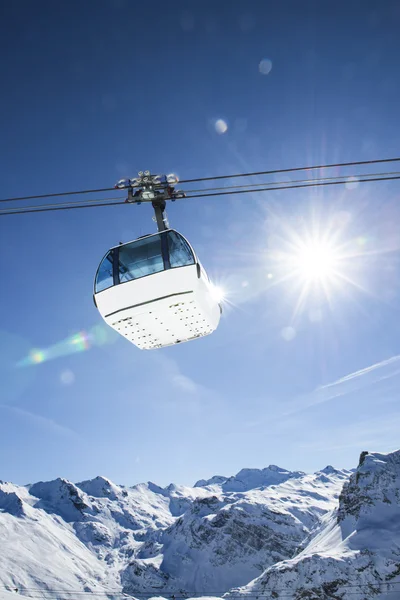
<point x="99" y="487"/>
<point x="328" y="470"/>
<point x="62" y="496"/>
<point x="216" y="479"/>
<point x="251" y="478"/>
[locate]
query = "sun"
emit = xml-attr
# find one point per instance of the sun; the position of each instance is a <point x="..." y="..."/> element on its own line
<point x="316" y="270"/>
<point x="317" y="260"/>
<point x="312" y="264"/>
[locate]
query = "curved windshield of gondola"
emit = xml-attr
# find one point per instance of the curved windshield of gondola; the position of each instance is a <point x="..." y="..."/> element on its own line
<point x="104" y="276"/>
<point x="180" y="253"/>
<point x="140" y="258"/>
<point x="146" y="256"/>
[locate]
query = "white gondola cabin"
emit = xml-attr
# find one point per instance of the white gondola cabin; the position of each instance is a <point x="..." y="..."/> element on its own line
<point x="155" y="292"/>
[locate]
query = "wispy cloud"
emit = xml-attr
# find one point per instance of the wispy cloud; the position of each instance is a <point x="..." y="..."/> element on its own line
<point x="353" y="382"/>
<point x="189" y="395"/>
<point x="40" y="421"/>
<point x="375" y="434"/>
<point x="366" y="371"/>
<point x="184" y="383"/>
<point x="286" y="417"/>
<point x="174" y="375"/>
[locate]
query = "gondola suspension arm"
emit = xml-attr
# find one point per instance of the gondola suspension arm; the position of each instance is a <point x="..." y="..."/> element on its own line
<point x="156" y="189"/>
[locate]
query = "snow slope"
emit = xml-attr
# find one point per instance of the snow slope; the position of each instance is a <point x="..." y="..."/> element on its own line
<point x="96" y="535"/>
<point x="40" y="550"/>
<point x="357" y="547"/>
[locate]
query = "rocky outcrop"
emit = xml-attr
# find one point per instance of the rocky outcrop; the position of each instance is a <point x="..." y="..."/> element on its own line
<point x="357" y="547"/>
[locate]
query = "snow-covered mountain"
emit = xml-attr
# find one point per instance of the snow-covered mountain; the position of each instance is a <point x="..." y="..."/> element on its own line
<point x="271" y="527"/>
<point x="224" y="538"/>
<point x="355" y="553"/>
<point x="248" y="479"/>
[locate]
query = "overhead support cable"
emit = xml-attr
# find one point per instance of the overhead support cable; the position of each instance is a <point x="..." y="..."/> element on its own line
<point x="276" y="171"/>
<point x="214" y="178"/>
<point x="350" y="178"/>
<point x="103" y="202"/>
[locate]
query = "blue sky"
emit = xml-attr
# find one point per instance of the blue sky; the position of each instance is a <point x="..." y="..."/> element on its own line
<point x="95" y="91"/>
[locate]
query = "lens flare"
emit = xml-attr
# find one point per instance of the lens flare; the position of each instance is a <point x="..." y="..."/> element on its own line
<point x="265" y="66"/>
<point x="37" y="356"/>
<point x="217" y="293"/>
<point x="221" y="126"/>
<point x="99" y="335"/>
<point x="81" y="341"/>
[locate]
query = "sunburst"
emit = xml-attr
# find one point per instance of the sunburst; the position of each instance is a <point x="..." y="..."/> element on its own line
<point x="317" y="261"/>
<point x="312" y="262"/>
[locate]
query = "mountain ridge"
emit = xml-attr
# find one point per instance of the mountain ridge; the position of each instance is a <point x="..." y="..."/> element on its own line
<point x="225" y="533"/>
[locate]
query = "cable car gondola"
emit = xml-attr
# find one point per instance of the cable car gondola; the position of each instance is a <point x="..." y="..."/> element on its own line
<point x="154" y="290"/>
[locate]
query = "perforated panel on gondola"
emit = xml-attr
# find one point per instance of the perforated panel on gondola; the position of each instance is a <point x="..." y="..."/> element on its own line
<point x="170" y="324"/>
